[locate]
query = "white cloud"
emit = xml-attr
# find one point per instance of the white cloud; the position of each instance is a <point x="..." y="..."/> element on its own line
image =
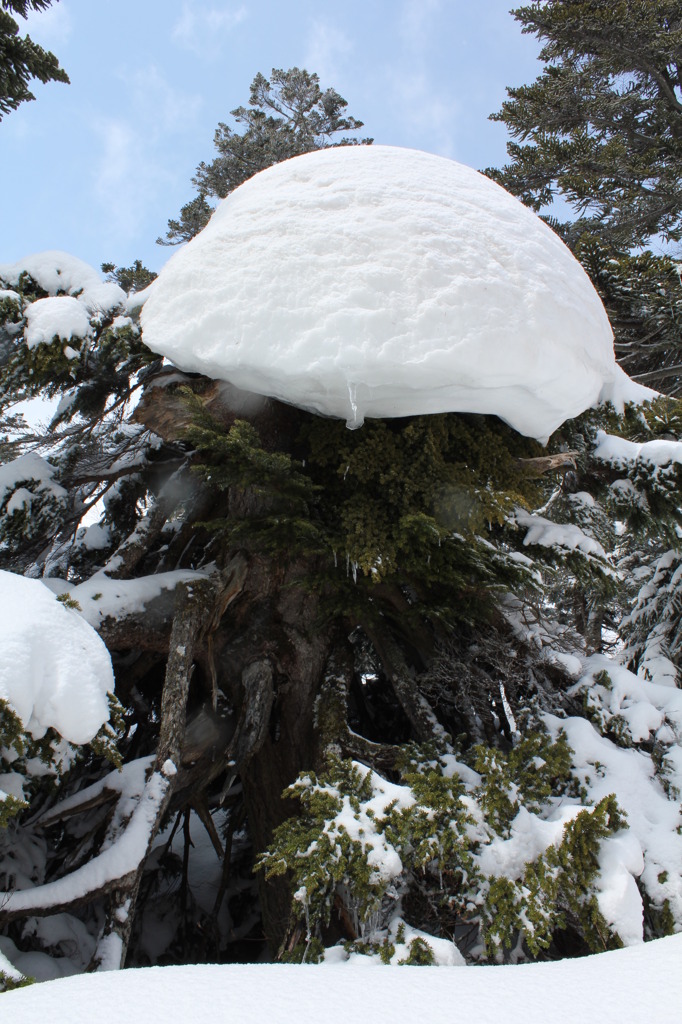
<point x="49" y="28"/>
<point x="415" y="22"/>
<point x="129" y="174"/>
<point x="202" y="30"/>
<point x="427" y="116"/>
<point x="429" y="112"/>
<point x="133" y="165"/>
<point x="166" y="109"/>
<point x="117" y="158"/>
<point x="327" y="46"/>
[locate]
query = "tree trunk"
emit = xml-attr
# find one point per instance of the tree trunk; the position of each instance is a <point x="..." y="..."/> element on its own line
<point x="270" y="658"/>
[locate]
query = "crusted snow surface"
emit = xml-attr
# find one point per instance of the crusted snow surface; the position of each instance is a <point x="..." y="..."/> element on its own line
<point x="377" y="281"/>
<point x="401" y="935"/>
<point x="564" y="536"/>
<point x="623" y="390"/>
<point x="29" y="468"/>
<point x="650" y="846"/>
<point x="54" y="669"/>
<point x="123" y="849"/>
<point x="621" y="453"/>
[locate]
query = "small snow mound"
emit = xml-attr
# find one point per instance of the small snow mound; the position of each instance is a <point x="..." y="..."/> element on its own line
<point x="59" y="273"/>
<point x="376" y="281"/>
<point x="59" y="316"/>
<point x="55" y="671"/>
<point x="29" y="467"/>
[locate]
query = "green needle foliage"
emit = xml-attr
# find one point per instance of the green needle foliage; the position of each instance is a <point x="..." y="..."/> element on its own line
<point x="371" y="845"/>
<point x="602" y="125"/>
<point x="21" y="59"/>
<point x="601" y="129"/>
<point x="288" y="114"/>
<point x="424" y="501"/>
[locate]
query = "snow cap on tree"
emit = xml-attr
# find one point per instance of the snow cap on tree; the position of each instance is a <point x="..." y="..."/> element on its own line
<point x="377" y="281"/>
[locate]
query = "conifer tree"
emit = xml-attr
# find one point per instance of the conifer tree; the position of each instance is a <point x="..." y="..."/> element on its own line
<point x="288" y="114"/>
<point x="602" y="125"/>
<point x="407" y="629"/>
<point x="601" y="128"/>
<point x="21" y="59"/>
<point x="384" y="599"/>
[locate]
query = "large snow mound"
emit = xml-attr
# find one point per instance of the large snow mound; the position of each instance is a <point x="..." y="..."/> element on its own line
<point x="376" y="281"/>
<point x="54" y="668"/>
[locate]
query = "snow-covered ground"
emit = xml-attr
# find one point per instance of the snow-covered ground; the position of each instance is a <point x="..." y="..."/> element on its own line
<point x="642" y="983"/>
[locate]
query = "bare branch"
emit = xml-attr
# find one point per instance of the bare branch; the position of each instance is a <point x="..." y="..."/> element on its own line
<point x="548" y="463"/>
<point x="404" y="682"/>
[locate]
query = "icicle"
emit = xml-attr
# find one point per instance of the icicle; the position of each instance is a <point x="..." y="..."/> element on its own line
<point x="353" y="422"/>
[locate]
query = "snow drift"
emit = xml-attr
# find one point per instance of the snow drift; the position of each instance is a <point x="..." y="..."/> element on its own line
<point x="376" y="281"/>
<point x="638" y="984"/>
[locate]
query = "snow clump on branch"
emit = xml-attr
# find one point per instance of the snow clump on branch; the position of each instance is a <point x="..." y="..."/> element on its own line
<point x="59" y="273"/>
<point x="55" y="671"/>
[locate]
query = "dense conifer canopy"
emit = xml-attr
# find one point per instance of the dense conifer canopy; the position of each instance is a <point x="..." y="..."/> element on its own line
<point x="601" y="129"/>
<point x="602" y="125"/>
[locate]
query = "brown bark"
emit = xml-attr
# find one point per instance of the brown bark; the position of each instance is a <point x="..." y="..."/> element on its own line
<point x="271" y="657"/>
<point x="334" y="735"/>
<point x="403" y="679"/>
<point x="549" y="463"/>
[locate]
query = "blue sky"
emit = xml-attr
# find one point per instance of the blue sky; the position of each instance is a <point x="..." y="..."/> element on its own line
<point x="97" y="168"/>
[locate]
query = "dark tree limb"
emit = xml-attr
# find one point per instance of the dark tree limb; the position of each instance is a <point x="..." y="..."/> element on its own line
<point x="184" y="882"/>
<point x="254" y="721"/>
<point x="133" y="549"/>
<point x="194" y="602"/>
<point x="200" y="605"/>
<point x="204" y="815"/>
<point x="403" y="679"/>
<point x="237" y="817"/>
<point x="234" y="579"/>
<point x="60" y="813"/>
<point x="331" y="718"/>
